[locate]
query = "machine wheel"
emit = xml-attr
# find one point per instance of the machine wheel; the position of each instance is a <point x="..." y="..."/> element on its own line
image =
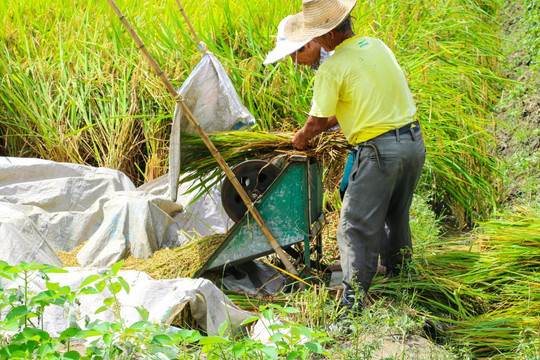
<point x="255" y="176"/>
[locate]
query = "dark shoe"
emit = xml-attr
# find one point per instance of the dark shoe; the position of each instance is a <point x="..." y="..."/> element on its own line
<point x="352" y="300"/>
<point x="392" y="273"/>
<point x="352" y="305"/>
<point x="398" y="270"/>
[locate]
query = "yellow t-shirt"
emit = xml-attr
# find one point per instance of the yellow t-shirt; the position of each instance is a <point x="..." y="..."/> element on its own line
<point x="363" y="85"/>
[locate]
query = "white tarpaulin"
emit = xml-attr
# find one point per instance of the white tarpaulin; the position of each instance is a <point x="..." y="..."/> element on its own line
<point x="162" y="299"/>
<point x="203" y="215"/>
<point x="47" y="206"/>
<point x="210" y="96"/>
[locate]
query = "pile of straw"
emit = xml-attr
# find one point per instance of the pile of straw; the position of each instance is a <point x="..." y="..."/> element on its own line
<point x="69" y="258"/>
<point x="184" y="261"/>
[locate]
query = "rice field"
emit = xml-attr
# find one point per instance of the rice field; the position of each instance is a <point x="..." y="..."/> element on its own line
<point x="75" y="88"/>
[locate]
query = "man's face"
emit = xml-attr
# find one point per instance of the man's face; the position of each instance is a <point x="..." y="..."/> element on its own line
<point x="309" y="55"/>
<point x="325" y="41"/>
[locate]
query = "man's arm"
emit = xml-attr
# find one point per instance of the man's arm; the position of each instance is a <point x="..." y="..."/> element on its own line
<point x="313" y="127"/>
<point x="332" y="121"/>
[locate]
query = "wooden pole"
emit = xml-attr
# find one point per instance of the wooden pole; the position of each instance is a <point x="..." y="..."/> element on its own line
<point x="178" y="98"/>
<point x="189" y="25"/>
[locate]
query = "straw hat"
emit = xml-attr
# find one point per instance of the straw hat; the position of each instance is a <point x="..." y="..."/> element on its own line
<point x="317" y="18"/>
<point x="283" y="47"/>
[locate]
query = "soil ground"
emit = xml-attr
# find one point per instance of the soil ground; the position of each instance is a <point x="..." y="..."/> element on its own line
<point x="519" y="110"/>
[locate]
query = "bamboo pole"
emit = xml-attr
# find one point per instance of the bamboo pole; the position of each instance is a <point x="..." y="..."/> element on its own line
<point x="178" y="98"/>
<point x="201" y="46"/>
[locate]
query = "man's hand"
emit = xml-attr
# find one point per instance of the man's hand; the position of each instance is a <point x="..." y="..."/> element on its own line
<point x="313" y="127"/>
<point x="299" y="141"/>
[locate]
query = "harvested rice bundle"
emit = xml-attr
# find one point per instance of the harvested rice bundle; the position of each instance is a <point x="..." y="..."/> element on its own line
<point x="329" y="148"/>
<point x="486" y="298"/>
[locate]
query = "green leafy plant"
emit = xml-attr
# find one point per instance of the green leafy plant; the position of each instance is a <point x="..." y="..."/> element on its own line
<point x="24" y="310"/>
<point x="22" y="335"/>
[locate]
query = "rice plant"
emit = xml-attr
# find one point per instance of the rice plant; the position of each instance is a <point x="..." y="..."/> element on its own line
<point x="74" y="88"/>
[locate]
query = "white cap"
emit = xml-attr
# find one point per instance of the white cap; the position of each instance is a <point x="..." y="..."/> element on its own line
<point x="283" y="47"/>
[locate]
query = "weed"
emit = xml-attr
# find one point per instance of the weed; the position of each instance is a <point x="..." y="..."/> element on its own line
<point x="22" y="335"/>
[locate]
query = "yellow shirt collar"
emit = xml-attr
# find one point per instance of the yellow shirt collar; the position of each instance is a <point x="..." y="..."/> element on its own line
<point x="347" y="41"/>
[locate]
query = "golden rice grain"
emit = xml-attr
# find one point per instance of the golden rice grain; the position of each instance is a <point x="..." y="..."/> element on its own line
<point x="184" y="261"/>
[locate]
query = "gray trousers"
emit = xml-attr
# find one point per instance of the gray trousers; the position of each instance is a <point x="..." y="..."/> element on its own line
<point x="381" y="186"/>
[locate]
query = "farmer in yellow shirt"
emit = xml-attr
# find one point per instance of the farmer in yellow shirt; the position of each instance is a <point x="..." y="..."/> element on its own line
<point x="364" y="87"/>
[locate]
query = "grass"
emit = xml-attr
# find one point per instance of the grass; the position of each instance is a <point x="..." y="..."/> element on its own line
<point x="517" y="109"/>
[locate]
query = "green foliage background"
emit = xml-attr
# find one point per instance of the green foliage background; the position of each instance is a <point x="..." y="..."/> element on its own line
<point x="74" y="87"/>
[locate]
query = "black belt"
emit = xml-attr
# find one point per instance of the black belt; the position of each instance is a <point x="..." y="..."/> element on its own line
<point x="410" y="127"/>
<point x="413" y="126"/>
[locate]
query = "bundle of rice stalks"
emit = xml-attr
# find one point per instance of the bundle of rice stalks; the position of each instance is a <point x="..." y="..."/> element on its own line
<point x="436" y="285"/>
<point x="510" y="246"/>
<point x="329" y="148"/>
<point x="498" y="335"/>
<point x="486" y="297"/>
<point x="184" y="261"/>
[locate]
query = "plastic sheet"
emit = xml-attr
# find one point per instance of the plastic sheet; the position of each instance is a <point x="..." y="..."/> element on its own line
<point x="163" y="299"/>
<point x="47" y="206"/>
<point x="211" y="97"/>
